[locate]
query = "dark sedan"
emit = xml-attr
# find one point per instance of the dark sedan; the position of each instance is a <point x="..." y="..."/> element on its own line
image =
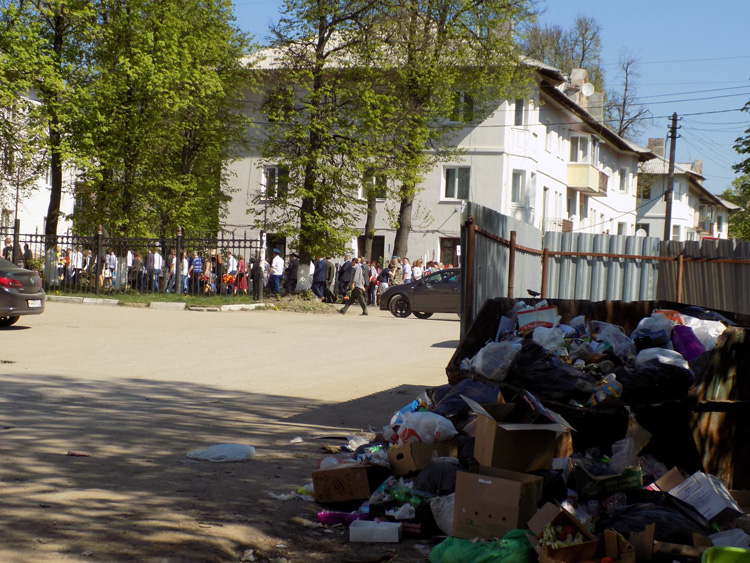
<point x="21" y="293"/>
<point x="439" y="292"/>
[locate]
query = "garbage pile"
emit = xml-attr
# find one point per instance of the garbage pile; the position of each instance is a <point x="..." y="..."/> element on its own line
<point x="561" y="444"/>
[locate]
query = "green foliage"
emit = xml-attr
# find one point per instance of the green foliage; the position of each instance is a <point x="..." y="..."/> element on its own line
<point x="739" y="194"/>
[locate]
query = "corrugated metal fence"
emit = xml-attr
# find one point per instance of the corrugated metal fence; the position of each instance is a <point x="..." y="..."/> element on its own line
<point x="502" y="257"/>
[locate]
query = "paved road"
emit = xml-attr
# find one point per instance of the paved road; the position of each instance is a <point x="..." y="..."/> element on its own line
<point x="137" y="388"/>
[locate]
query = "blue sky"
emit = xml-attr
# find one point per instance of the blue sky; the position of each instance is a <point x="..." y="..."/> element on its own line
<point x="694" y="59"/>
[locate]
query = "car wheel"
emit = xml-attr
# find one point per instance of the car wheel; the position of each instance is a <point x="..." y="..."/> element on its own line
<point x="422" y="315"/>
<point x="7" y="321"/>
<point x="400" y="307"/>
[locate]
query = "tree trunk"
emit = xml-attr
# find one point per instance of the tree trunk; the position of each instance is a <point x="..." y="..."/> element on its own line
<point x="56" y="181"/>
<point x="401" y="244"/>
<point x="372" y="212"/>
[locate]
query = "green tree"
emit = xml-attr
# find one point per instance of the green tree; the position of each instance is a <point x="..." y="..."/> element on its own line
<point x="163" y="116"/>
<point x="739" y="194"/>
<point x="318" y="106"/>
<point x="445" y="64"/>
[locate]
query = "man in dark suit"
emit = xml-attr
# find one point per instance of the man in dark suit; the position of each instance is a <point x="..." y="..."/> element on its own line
<point x="345" y="276"/>
<point x="330" y="287"/>
<point x="290" y="274"/>
<point x="319" y="278"/>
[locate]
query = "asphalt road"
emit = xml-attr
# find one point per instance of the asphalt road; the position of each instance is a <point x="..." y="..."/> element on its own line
<point x="135" y="389"/>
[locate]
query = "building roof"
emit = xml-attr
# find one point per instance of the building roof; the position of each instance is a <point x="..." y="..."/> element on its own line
<point x="729" y="205"/>
<point x="660" y="165"/>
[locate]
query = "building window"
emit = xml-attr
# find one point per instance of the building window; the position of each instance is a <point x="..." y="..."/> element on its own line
<point x="548" y="139"/>
<point x="622" y="228"/>
<point x="584" y="207"/>
<point x="676" y="232"/>
<point x="519" y="119"/>
<point x="449" y="250"/>
<point x="375" y="181"/>
<point x="517" y="189"/>
<point x="645" y="227"/>
<point x="457" y="182"/>
<point x="719" y="223"/>
<point x="275" y="182"/>
<point x="579" y="149"/>
<point x="463" y="107"/>
<point x="677" y="191"/>
<point x="623" y="180"/>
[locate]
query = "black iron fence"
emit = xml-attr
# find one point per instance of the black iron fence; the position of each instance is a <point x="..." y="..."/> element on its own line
<point x="101" y="265"/>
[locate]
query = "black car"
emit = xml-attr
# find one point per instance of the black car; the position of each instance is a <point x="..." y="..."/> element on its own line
<point x="439" y="292"/>
<point x="21" y="293"/>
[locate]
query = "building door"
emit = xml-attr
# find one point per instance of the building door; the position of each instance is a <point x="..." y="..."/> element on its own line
<point x="378" y="248"/>
<point x="449" y="251"/>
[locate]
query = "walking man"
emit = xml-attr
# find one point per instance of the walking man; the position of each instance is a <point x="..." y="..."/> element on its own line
<point x="319" y="278"/>
<point x="277" y="269"/>
<point x="358" y="288"/>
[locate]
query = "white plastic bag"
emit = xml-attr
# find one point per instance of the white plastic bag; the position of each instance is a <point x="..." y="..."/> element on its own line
<point x="425" y="427"/>
<point x="624" y="454"/>
<point x="495" y="358"/>
<point x="706" y="331"/>
<point x="442" y="510"/>
<point x="224" y="453"/>
<point x="613" y="335"/>
<point x="549" y="338"/>
<point x="663" y="355"/>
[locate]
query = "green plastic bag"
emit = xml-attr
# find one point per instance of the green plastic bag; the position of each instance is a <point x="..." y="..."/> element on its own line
<point x="513" y="548"/>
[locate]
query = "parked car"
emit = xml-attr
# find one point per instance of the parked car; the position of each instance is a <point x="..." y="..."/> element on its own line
<point x="439" y="292"/>
<point x="21" y="293"/>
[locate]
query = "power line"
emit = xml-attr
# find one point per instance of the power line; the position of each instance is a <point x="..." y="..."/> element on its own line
<point x="685" y="60"/>
<point x="696" y="92"/>
<point x="695" y="99"/>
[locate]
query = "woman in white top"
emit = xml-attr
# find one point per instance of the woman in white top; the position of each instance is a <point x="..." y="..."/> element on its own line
<point x="416" y="270"/>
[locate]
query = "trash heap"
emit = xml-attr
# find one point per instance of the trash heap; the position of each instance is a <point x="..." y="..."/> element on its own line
<point x="563" y="442"/>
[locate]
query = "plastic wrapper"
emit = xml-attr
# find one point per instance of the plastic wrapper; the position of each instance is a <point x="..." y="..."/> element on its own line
<point x="654" y="323"/>
<point x="706" y="331"/>
<point x="663" y="356"/>
<point x="513" y="548"/>
<point x="494" y="359"/>
<point x="686" y="343"/>
<point x="425" y="427"/>
<point x="448" y="402"/>
<point x="624" y="455"/>
<point x="550" y="339"/>
<point x="613" y="337"/>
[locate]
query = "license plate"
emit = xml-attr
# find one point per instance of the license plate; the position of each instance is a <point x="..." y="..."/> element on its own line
<point x="34" y="303"/>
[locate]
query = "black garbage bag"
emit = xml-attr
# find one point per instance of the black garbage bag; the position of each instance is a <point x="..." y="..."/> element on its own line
<point x="676" y="521"/>
<point x="449" y="403"/>
<point x="653" y="382"/>
<point x="554" y="489"/>
<point x="706" y="315"/>
<point x="438" y="478"/>
<point x="546" y="376"/>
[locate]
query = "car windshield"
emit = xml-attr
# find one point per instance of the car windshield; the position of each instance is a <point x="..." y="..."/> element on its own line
<point x="443" y="276"/>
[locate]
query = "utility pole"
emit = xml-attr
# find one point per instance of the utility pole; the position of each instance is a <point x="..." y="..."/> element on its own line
<point x="670" y="179"/>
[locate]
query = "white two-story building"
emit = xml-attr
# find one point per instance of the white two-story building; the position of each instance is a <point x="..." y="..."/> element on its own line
<point x="546" y="160"/>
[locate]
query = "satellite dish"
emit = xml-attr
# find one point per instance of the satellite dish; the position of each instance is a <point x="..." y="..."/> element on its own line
<point x="587" y="89"/>
<point x="641" y="233"/>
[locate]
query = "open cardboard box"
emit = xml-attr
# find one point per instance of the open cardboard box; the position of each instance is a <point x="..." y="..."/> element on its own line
<point x="646" y="547"/>
<point x="589" y="486"/>
<point x="490" y="502"/>
<point x="414" y="456"/>
<point x="610" y="544"/>
<point x="515" y="446"/>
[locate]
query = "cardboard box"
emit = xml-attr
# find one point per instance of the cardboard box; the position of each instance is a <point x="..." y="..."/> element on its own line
<point x="513" y="446"/>
<point x="415" y="456"/>
<point x="348" y="481"/>
<point x="490" y="502"/>
<point x="706" y="493"/>
<point x="545" y="316"/>
<point x="589" y="486"/>
<point x="646" y="547"/>
<point x="374" y="532"/>
<point x="610" y="544"/>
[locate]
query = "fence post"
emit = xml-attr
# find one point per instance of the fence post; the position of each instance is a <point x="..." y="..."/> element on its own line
<point x="259" y="266"/>
<point x="468" y="315"/>
<point x="99" y="261"/>
<point x="178" y="266"/>
<point x="16" y="243"/>
<point x="512" y="265"/>
<point x="680" y="274"/>
<point x="545" y="266"/>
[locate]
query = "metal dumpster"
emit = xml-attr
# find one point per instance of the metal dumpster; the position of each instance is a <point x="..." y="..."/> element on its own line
<point x="701" y="432"/>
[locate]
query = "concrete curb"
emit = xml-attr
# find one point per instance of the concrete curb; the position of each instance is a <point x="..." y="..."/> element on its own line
<point x="98" y="301"/>
<point x="169" y="305"/>
<point x="241" y="307"/>
<point x="64" y="299"/>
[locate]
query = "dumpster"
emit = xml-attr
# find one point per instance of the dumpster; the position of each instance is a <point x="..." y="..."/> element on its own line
<point x="697" y="432"/>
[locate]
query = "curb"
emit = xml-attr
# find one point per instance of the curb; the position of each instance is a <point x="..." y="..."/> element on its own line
<point x="98" y="301"/>
<point x="64" y="299"/>
<point x="241" y="307"/>
<point x="168" y="305"/>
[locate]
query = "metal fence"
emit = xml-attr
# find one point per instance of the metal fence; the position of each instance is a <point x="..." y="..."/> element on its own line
<point x="102" y="265"/>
